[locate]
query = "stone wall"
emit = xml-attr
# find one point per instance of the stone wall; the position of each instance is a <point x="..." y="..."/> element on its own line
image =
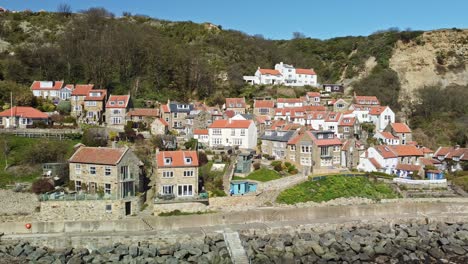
<point x="282" y="183"/>
<point x="85" y="210"/>
<point x="190" y="207"/>
<point x="233" y="201"/>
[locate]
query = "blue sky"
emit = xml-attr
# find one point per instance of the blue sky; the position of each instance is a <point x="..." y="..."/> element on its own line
<point x="277" y="19"/>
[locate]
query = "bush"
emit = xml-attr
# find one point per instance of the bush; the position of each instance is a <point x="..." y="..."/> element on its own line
<point x="42" y="186"/>
<point x="94" y="137"/>
<point x="64" y="107"/>
<point x="40" y="124"/>
<point x="202" y="158"/>
<point x="256" y="165"/>
<point x="287" y="164"/>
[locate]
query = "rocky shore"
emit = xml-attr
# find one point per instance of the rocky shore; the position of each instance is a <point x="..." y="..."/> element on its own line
<point x="213" y="250"/>
<point x="404" y="243"/>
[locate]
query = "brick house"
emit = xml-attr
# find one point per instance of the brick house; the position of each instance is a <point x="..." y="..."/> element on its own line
<point x="237" y="105"/>
<point x="115" y="171"/>
<point x="117" y="107"/>
<point x="177" y="173"/>
<point x="22" y="117"/>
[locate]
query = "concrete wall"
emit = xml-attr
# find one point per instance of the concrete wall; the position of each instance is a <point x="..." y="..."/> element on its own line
<point x="190" y="207"/>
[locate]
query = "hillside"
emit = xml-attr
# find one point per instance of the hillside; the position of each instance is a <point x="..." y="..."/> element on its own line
<point x="156" y="59"/>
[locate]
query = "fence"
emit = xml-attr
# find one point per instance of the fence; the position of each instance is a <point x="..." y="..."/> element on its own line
<point x="75" y="197"/>
<point x="43" y="133"/>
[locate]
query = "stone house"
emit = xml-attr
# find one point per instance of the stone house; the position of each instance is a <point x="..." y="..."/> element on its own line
<point x="174" y="114"/>
<point x="452" y="158"/>
<point x="159" y="127"/>
<point x="94" y="106"/>
<point x="50" y="90"/>
<point x="77" y="99"/>
<point x="116" y="110"/>
<point x="113" y="171"/>
<point x="274" y="142"/>
<point x="22" y="117"/>
<point x="314" y="150"/>
<point x="177" y="173"/>
<point x="198" y="119"/>
<point x="264" y="107"/>
<point x="313" y="98"/>
<point x="143" y="115"/>
<point x="237" y="105"/>
<point x="340" y="105"/>
<point x="349" y="127"/>
<point x="400" y="131"/>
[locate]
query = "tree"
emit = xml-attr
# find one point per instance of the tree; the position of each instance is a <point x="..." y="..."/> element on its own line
<point x="94" y="137"/>
<point x="298" y="35"/>
<point x="64" y="107"/>
<point x="64" y="9"/>
<point x="42" y="186"/>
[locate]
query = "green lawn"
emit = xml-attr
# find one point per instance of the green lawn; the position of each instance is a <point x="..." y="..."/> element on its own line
<point x="262" y="175"/>
<point x="18" y="149"/>
<point x="333" y="187"/>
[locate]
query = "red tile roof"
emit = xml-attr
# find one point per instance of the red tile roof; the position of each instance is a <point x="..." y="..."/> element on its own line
<point x="315" y="108"/>
<point x="231" y="123"/>
<point x="235" y="103"/>
<point x="451" y="152"/>
<point x="289" y="100"/>
<point x="407" y="150"/>
<point x="101" y="97"/>
<point x="24" y="111"/>
<point x="277" y="124"/>
<point x="178" y="159"/>
<point x="375" y="163"/>
<point x="264" y="103"/>
<point x="82" y="89"/>
<point x="313" y="94"/>
<point x="426" y="150"/>
<point x="98" y="155"/>
<point x="305" y="71"/>
<point x="118" y="101"/>
<point x="333" y="117"/>
<point x="377" y="110"/>
<point x="269" y="71"/>
<point x="165" y="108"/>
<point x="262" y="119"/>
<point x="47" y="85"/>
<point x="150" y="112"/>
<point x="408" y="167"/>
<point x="386" y="151"/>
<point x="387" y="135"/>
<point x="200" y="131"/>
<point x="229" y="113"/>
<point x="327" y="142"/>
<point x="163" y="122"/>
<point x="400" y="128"/>
<point x="347" y="121"/>
<point x="443" y="151"/>
<point x="366" y="100"/>
<point x="428" y="162"/>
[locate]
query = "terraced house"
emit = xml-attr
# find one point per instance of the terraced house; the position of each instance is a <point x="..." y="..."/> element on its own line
<point x="117" y="107"/>
<point x="113" y="171"/>
<point x="175" y="113"/>
<point x="177" y="173"/>
<point x="237" y="105"/>
<point x="274" y="142"/>
<point x="77" y="99"/>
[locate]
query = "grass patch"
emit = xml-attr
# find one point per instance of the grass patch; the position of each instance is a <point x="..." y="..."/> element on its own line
<point x="461" y="181"/>
<point x="333" y="187"/>
<point x="178" y="212"/>
<point x="19" y="149"/>
<point x="262" y="175"/>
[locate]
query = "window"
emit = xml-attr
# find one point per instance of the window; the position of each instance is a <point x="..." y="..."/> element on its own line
<point x="233" y="132"/>
<point x="293" y="147"/>
<point x="264" y="111"/>
<point x="242" y="132"/>
<point x="336" y="148"/>
<point x="121" y="102"/>
<point x="77" y="186"/>
<point x="167" y="189"/>
<point x="331" y="127"/>
<point x="95" y="94"/>
<point x="317" y="99"/>
<point x="167" y="161"/>
<point x="90" y="114"/>
<point x="116" y="111"/>
<point x="188" y="160"/>
<point x="124" y="172"/>
<point x="346" y="129"/>
<point x="188" y="173"/>
<point x="336" y="159"/>
<point x="305" y="161"/>
<point x="108" y="208"/>
<point x="78" y="169"/>
<point x="107" y="171"/>
<point x="340" y="105"/>
<point x="185" y="190"/>
<point x="168" y="174"/>
<point x="107" y="188"/>
<point x="237" y="141"/>
<point x="324" y="151"/>
<point x="175" y="115"/>
<point x="216" y="141"/>
<point x="216" y="131"/>
<point x="92" y="170"/>
<point x="292" y="157"/>
<point x="116" y="120"/>
<point x="90" y="103"/>
<point x="112" y="103"/>
<point x="306" y="149"/>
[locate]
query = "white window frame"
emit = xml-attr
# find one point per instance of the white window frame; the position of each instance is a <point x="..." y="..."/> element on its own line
<point x="78" y="169"/>
<point x="188" y="173"/>
<point x="168" y="174"/>
<point x="107" y="171"/>
<point x="107" y="188"/>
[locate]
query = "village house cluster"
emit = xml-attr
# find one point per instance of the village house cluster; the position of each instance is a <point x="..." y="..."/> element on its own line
<point x="320" y="132"/>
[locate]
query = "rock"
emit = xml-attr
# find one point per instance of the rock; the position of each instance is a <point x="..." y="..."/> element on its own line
<point x="104" y="250"/>
<point x="133" y="251"/>
<point x="382" y="259"/>
<point x="462" y="234"/>
<point x="288" y="258"/>
<point x="301" y="248"/>
<point x="317" y="248"/>
<point x="305" y="236"/>
<point x="443" y="241"/>
<point x="436" y="253"/>
<point x="88" y="258"/>
<point x="181" y="254"/>
<point x="195" y="252"/>
<point x="355" y="246"/>
<point x="27" y="250"/>
<point x="75" y="260"/>
<point x="454" y="248"/>
<point x="115" y="257"/>
<point x="224" y="253"/>
<point x="330" y="256"/>
<point x="121" y="250"/>
<point x="17" y="250"/>
<point x="37" y="254"/>
<point x="261" y="259"/>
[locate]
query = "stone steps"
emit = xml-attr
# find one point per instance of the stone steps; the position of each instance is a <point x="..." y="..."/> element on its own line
<point x="236" y="250"/>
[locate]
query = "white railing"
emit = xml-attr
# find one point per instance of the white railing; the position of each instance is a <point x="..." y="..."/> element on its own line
<point x="408" y="181"/>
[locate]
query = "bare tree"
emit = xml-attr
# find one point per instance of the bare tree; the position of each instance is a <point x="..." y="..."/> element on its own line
<point x="64" y="9"/>
<point x="298" y="35"/>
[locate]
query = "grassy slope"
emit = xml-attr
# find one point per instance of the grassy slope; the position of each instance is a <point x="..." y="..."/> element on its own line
<point x="262" y="175"/>
<point x="335" y="187"/>
<point x="19" y="146"/>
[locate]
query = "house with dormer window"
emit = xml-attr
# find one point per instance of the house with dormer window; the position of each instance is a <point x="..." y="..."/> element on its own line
<point x="117" y="107"/>
<point x="177" y="173"/>
<point x="175" y="114"/>
<point x="51" y="90"/>
<point x="237" y="105"/>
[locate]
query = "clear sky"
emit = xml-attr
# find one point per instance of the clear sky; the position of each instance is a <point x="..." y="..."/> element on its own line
<point x="277" y="19"/>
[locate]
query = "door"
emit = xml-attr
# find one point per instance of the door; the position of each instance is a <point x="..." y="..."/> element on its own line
<point x="128" y="208"/>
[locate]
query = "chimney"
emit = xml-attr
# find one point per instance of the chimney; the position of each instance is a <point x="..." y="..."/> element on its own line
<point x="457" y="147"/>
<point x="230" y="120"/>
<point x="157" y="151"/>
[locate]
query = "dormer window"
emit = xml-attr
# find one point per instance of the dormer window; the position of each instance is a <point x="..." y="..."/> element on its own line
<point x="95" y="94"/>
<point x="231" y="105"/>
<point x="347" y="120"/>
<point x="112" y="103"/>
<point x="239" y="105"/>
<point x="121" y="102"/>
<point x="167" y="161"/>
<point x="268" y="133"/>
<point x="188" y="160"/>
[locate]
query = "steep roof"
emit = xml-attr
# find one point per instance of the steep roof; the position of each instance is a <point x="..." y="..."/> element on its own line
<point x="400" y="128"/>
<point x="231" y="123"/>
<point x="407" y="150"/>
<point x="82" y="89"/>
<point x="150" y="112"/>
<point x="200" y="131"/>
<point x="387" y="135"/>
<point x="47" y="85"/>
<point x="24" y="111"/>
<point x="377" y="110"/>
<point x="347" y="121"/>
<point x="375" y="163"/>
<point x="269" y="71"/>
<point x="313" y="94"/>
<point x="366" y="100"/>
<point x="289" y="100"/>
<point x="305" y="71"/>
<point x="178" y="158"/>
<point x="281" y="136"/>
<point x="98" y="155"/>
<point x="408" y="167"/>
<point x="100" y="97"/>
<point x="386" y="151"/>
<point x="235" y="102"/>
<point x="264" y="103"/>
<point x="118" y="101"/>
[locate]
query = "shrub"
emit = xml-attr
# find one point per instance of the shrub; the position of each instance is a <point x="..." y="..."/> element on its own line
<point x="292" y="169"/>
<point x="276" y="163"/>
<point x="42" y="186"/>
<point x="278" y="167"/>
<point x="64" y="107"/>
<point x="40" y="124"/>
<point x="202" y="158"/>
<point x="256" y="166"/>
<point x="287" y="164"/>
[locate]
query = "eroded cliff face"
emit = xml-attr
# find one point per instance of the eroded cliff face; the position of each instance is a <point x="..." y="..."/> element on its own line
<point x="435" y="58"/>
